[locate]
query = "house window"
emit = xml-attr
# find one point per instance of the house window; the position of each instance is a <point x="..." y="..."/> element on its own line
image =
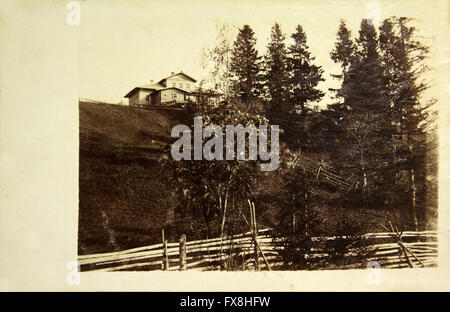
<point x="174" y="96"/>
<point x="180" y="85"/>
<point x="174" y="84"/>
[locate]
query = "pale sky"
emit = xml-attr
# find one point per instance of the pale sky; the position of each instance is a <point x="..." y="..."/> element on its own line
<point x="123" y="44"/>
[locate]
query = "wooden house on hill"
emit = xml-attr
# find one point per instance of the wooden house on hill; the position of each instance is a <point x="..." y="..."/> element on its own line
<point x="176" y="89"/>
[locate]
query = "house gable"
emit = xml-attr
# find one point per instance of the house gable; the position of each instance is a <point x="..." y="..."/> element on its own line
<point x="179" y="76"/>
<point x="179" y="80"/>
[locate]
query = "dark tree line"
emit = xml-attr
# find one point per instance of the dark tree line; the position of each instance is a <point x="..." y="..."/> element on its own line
<point x="383" y="123"/>
<point x="285" y="78"/>
<point x="284" y="81"/>
<point x="377" y="130"/>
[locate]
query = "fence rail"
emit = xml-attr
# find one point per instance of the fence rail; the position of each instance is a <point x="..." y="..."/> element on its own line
<point x="238" y="250"/>
<point x="323" y="173"/>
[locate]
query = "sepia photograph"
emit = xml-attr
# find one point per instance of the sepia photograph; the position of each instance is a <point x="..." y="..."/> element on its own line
<point x="259" y="145"/>
<point x="232" y="142"/>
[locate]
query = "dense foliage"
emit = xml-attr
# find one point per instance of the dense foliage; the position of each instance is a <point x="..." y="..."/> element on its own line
<point x="377" y="132"/>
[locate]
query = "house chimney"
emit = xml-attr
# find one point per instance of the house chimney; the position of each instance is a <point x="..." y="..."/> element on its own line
<point x="172" y="73"/>
<point x="151" y="80"/>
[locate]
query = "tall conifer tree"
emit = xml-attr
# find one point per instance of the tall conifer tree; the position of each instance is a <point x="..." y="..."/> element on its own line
<point x="365" y="141"/>
<point x="245" y="66"/>
<point x="275" y="75"/>
<point x="344" y="50"/>
<point x="304" y="75"/>
<point x="403" y="57"/>
<point x="344" y="54"/>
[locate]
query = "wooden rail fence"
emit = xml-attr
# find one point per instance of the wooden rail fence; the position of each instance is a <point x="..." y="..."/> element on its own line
<point x="323" y="173"/>
<point x="415" y="249"/>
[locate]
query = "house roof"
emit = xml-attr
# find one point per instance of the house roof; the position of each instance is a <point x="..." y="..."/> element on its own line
<point x="155" y="86"/>
<point x="151" y="86"/>
<point x="180" y="73"/>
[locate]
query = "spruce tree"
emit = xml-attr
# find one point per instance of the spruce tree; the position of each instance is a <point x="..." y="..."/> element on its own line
<point x="363" y="86"/>
<point x="403" y="57"/>
<point x="343" y="52"/>
<point x="365" y="141"/>
<point x="304" y="76"/>
<point x="276" y="76"/>
<point x="245" y="66"/>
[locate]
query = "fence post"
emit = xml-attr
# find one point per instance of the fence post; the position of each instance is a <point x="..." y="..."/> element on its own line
<point x="256" y="254"/>
<point x="183" y="264"/>
<point x="255" y="235"/>
<point x="165" y="258"/>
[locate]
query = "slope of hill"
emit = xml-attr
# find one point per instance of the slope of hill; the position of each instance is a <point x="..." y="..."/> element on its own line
<point x="117" y="126"/>
<point x="122" y="194"/>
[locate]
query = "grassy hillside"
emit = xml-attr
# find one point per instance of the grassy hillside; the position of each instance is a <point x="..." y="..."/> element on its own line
<point x="120" y="127"/>
<point x="122" y="189"/>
